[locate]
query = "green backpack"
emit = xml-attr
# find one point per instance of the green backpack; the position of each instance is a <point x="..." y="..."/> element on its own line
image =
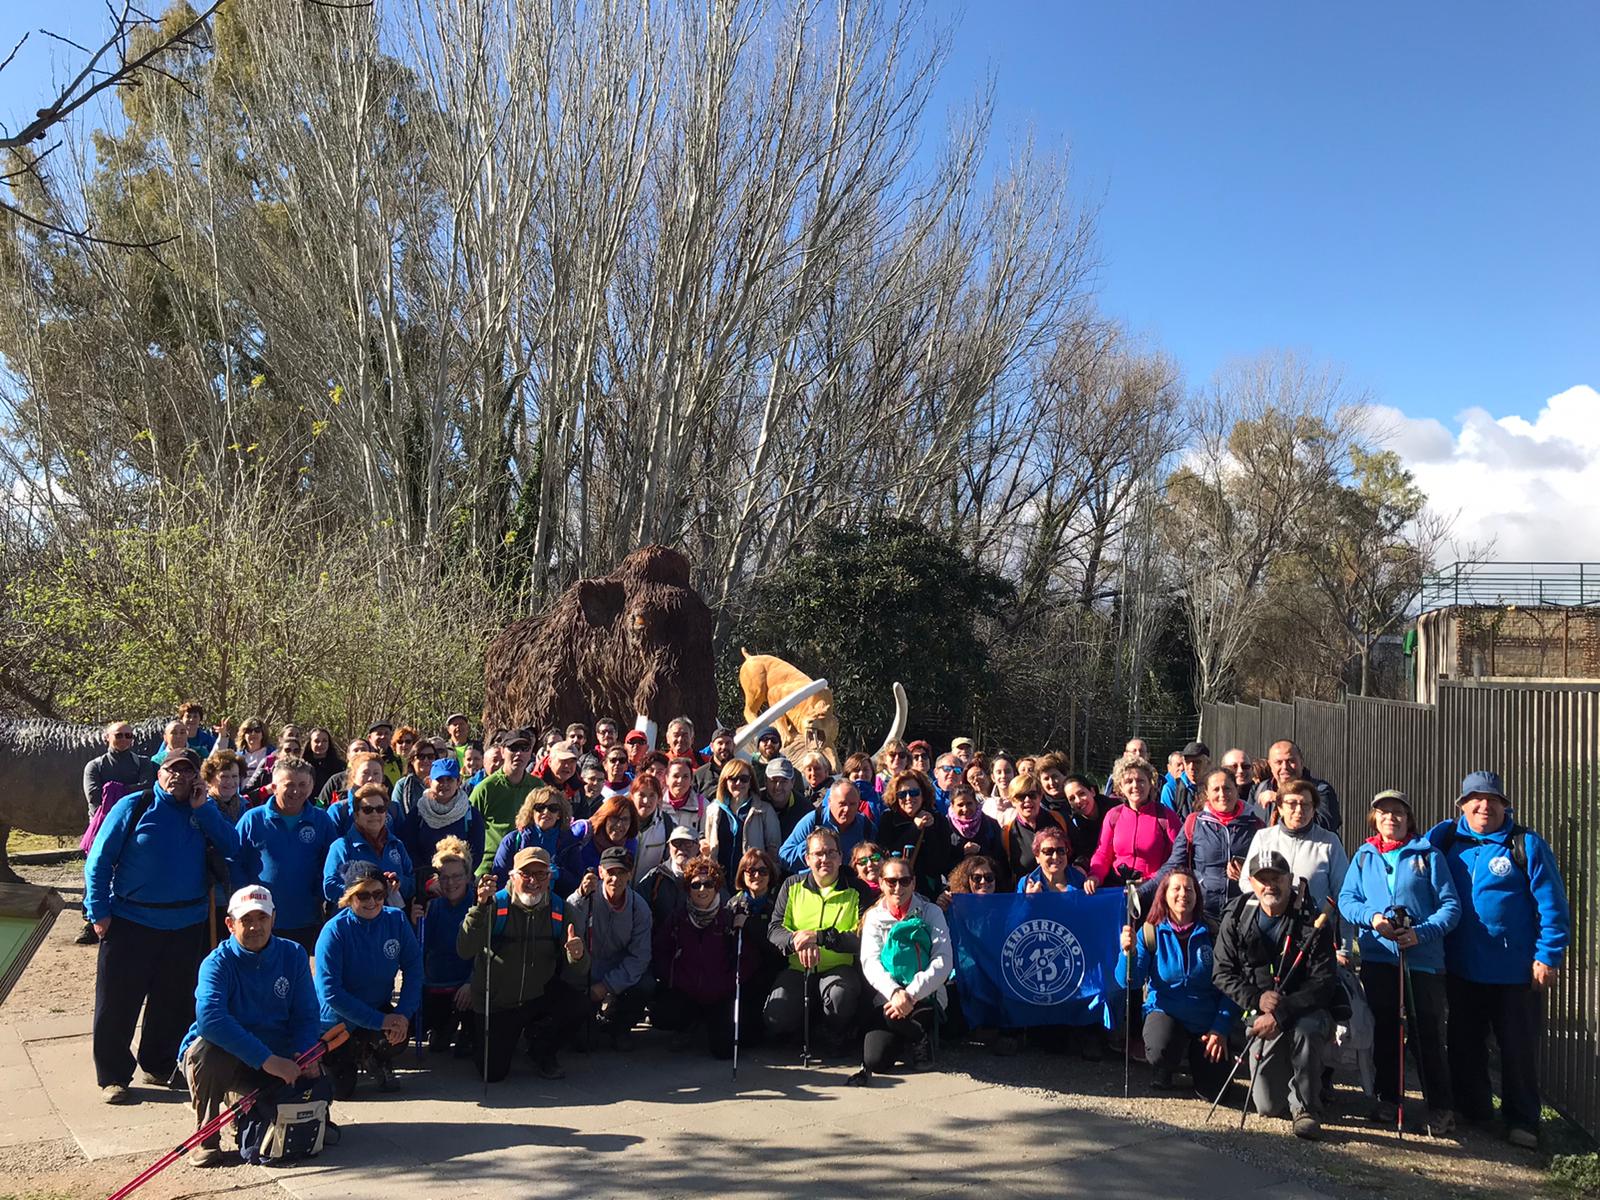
<point x="907" y="949"/>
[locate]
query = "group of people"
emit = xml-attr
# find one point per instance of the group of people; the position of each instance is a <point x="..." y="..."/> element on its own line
<point x="552" y="890"/>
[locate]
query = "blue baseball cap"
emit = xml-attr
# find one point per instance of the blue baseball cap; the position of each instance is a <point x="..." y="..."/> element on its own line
<point x="448" y="767"/>
<point x="1482" y="783"/>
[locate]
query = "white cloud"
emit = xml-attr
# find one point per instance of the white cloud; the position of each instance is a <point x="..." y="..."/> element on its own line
<point x="1531" y="486"/>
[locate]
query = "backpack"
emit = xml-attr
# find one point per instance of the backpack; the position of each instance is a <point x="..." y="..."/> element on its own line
<point x="1354" y="1035"/>
<point x="1518" y="843"/>
<point x="907" y="949"/>
<point x="286" y="1124"/>
<point x="502" y="917"/>
<point x="110" y="793"/>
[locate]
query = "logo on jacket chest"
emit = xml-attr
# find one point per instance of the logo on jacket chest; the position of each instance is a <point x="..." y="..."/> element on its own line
<point x="391" y="949"/>
<point x="1500" y="866"/>
<point x="280" y="987"/>
<point x="1042" y="962"/>
<point x="307" y="834"/>
<point x="394" y="855"/>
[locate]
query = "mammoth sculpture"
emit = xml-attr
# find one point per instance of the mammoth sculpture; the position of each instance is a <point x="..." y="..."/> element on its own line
<point x="635" y="642"/>
<point x="41" y="776"/>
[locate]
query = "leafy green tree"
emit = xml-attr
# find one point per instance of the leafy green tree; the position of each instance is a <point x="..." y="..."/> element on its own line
<point x="888" y="601"/>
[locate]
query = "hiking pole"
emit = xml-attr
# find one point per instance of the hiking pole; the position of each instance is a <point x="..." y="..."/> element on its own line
<point x="422" y="923"/>
<point x="738" y="959"/>
<point x="488" y="961"/>
<point x="1279" y="977"/>
<point x="1127" y="1028"/>
<point x="1401" y="919"/>
<point x="331" y="1040"/>
<point x="1249" y="1041"/>
<point x="1400" y="1106"/>
<point x="805" y="1044"/>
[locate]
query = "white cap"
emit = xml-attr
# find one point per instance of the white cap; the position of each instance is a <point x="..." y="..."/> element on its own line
<point x="254" y="898"/>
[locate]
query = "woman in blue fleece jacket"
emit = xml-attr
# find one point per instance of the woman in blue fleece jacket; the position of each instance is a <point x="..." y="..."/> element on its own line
<point x="447" y="977"/>
<point x="1396" y="874"/>
<point x="1184" y="1013"/>
<point x="358" y="953"/>
<point x="1505" y="952"/>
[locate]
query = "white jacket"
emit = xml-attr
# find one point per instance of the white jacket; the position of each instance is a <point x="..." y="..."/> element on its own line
<point x="929" y="981"/>
<point x="1316" y="856"/>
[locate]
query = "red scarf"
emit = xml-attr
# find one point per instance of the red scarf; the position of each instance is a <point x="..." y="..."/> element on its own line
<point x="1383" y="846"/>
<point x="898" y="915"/>
<point x="1227" y="817"/>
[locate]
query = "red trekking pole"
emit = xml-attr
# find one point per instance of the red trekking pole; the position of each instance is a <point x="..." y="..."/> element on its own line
<point x="331" y="1040"/>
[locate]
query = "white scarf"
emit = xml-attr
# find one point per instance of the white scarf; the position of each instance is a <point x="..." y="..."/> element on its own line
<point x="435" y="817"/>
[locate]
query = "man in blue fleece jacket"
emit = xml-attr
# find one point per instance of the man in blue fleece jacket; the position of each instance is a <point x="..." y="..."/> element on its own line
<point x="1503" y="955"/>
<point x="146" y="892"/>
<point x="283" y="845"/>
<point x="255" y="1010"/>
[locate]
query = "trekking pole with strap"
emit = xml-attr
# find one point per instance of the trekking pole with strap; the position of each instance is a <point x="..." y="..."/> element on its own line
<point x="738" y="961"/>
<point x="805" y="1043"/>
<point x="1321" y="923"/>
<point x="329" y="1041"/>
<point x="422" y="925"/>
<point x="1127" y="1007"/>
<point x="1400" y="918"/>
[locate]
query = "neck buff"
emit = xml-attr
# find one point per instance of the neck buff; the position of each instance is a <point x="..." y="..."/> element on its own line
<point x="898" y="912"/>
<point x="1226" y="818"/>
<point x="967" y="829"/>
<point x="435" y="817"/>
<point x="702" y="917"/>
<point x="1383" y="846"/>
<point x="1182" y="931"/>
<point x="684" y="803"/>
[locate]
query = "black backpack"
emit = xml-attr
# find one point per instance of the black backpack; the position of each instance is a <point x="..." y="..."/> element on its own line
<point x="1518" y="843"/>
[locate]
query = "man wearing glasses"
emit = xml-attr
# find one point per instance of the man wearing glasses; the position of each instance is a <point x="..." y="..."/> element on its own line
<point x="530" y="966"/>
<point x="815" y="924"/>
<point x="146" y="893"/>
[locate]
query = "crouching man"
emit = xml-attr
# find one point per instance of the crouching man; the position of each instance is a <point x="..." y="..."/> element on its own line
<point x="529" y="967"/>
<point x="1289" y="1010"/>
<point x="255" y="1010"/>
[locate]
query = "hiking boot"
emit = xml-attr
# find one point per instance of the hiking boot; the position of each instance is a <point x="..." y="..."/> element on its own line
<point x="86" y="936"/>
<point x="549" y="1068"/>
<point x="161" y="1078"/>
<point x="116" y="1093"/>
<point x="1308" y="1127"/>
<point x="207" y="1154"/>
<point x="1442" y="1123"/>
<point x="383" y="1071"/>
<point x="862" y="1078"/>
<point x="922" y="1053"/>
<point x="1161" y="1079"/>
<point x="1525" y="1139"/>
<point x="1384" y="1113"/>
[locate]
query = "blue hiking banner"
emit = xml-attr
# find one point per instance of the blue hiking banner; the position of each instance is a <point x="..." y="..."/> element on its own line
<point x="1049" y="958"/>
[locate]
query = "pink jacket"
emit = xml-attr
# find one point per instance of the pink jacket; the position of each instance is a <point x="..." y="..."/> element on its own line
<point x="1141" y="839"/>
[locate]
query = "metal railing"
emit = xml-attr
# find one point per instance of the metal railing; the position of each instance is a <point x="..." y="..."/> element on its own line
<point x="1544" y="742"/>
<point x="1563" y="584"/>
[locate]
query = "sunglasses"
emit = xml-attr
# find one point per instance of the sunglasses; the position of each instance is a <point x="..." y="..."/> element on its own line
<point x="1051" y="852"/>
<point x="371" y="896"/>
<point x="518" y="747"/>
<point x="868" y="858"/>
<point x="373" y="808"/>
<point x="1033" y="795"/>
<point x="617" y="762"/>
<point x="900" y="881"/>
<point x="703" y="885"/>
<point x="122" y="733"/>
<point x="980" y="878"/>
<point x="908" y="794"/>
<point x="757" y="873"/>
<point x="545" y="808"/>
<point x="179" y="768"/>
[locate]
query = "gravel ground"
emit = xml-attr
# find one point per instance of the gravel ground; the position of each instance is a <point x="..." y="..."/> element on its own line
<point x="1355" y="1159"/>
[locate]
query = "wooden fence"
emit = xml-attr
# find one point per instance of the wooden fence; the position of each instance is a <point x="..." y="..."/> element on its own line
<point x="1545" y="744"/>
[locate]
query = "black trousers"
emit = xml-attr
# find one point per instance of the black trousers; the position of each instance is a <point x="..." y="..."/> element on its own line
<point x="1167" y="1044"/>
<point x="550" y="1020"/>
<point x="671" y="1009"/>
<point x="1425" y="1032"/>
<point x="153" y="969"/>
<point x="443" y="1023"/>
<point x="888" y="1040"/>
<point x="1514" y="1013"/>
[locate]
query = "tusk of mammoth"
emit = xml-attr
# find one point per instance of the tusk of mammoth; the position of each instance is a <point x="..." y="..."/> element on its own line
<point x="897" y="727"/>
<point x="747" y="733"/>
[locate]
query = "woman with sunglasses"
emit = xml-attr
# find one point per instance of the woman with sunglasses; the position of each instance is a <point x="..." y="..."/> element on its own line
<point x="693" y="955"/>
<point x="358" y="954"/>
<point x="755" y="889"/>
<point x="912" y="829"/>
<point x="866" y="868"/>
<point x="371" y="840"/>
<point x="545" y="820"/>
<point x="447" y="1014"/>
<point x="1027" y="816"/>
<point x="413" y="782"/>
<point x="1052" y="850"/>
<point x="254" y="749"/>
<point x="739" y="819"/>
<point x="906" y="960"/>
<point x="619" y="777"/>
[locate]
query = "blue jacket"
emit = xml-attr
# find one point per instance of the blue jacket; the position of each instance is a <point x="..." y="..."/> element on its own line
<point x="1180" y="979"/>
<point x="344" y="818"/>
<point x="1075" y="878"/>
<point x="1417" y="879"/>
<point x="441" y="965"/>
<point x="355" y="845"/>
<point x="1205" y="845"/>
<point x="1508" y="919"/>
<point x="564" y="847"/>
<point x="1178" y="795"/>
<point x="155" y="873"/>
<point x="422" y="839"/>
<point x="286" y="854"/>
<point x="255" y="1005"/>
<point x="793" y="851"/>
<point x="356" y="965"/>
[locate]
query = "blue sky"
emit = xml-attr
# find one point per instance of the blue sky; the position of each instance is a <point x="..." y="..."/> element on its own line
<point x="1405" y="190"/>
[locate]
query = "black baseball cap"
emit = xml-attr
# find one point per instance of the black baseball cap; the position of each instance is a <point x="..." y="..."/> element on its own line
<point x="181" y="757"/>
